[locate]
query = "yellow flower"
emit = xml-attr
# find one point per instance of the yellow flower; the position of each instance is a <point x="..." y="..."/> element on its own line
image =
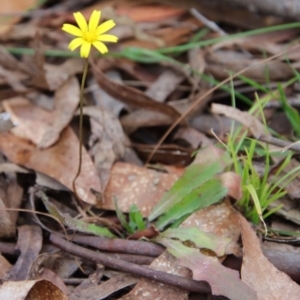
<point x="90" y="34"/>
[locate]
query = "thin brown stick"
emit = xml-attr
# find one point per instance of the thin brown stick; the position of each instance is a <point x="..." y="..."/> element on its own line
<point x="120" y="245"/>
<point x="144" y="272"/>
<point x="280" y="143"/>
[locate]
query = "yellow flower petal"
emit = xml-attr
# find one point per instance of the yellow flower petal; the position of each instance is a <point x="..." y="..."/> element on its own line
<point x="105" y="27"/>
<point x="81" y="21"/>
<point x="107" y="38"/>
<point x="94" y="20"/>
<point x="76" y="43"/>
<point x="100" y="47"/>
<point x="85" y="49"/>
<point x="72" y="29"/>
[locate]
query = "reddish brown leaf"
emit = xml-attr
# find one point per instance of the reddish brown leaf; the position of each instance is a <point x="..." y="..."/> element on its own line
<point x="260" y="274"/>
<point x="31" y="290"/>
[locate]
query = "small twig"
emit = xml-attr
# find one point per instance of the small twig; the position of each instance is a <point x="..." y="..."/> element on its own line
<point x="210" y="24"/>
<point x="135" y="259"/>
<point x="120" y="245"/>
<point x="280" y="143"/>
<point x="144" y="272"/>
<point x="32" y="192"/>
<point x="293" y="101"/>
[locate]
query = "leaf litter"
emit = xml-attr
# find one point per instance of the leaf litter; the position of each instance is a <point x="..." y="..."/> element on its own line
<point x="186" y="199"/>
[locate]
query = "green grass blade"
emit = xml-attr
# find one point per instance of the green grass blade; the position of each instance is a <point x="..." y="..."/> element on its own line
<point x="193" y="177"/>
<point x="209" y="193"/>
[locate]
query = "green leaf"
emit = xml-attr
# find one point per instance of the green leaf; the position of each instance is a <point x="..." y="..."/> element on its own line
<point x="72" y="223"/>
<point x="194" y="176"/>
<point x="209" y="193"/>
<point x="291" y="113"/>
<point x="136" y="220"/>
<point x="199" y="238"/>
<point x="121" y="216"/>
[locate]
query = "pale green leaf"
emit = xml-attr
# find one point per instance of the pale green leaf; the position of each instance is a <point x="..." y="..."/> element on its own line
<point x="208" y="193"/>
<point x="193" y="177"/>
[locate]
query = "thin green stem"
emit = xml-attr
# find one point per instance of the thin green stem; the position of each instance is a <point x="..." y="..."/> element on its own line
<point x="80" y="126"/>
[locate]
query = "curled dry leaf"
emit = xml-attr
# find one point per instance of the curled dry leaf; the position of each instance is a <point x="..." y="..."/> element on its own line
<point x="252" y="123"/>
<point x="31" y="290"/>
<point x="38" y="125"/>
<point x="30" y="244"/>
<point x="131" y="96"/>
<point x="164" y="85"/>
<point x="52" y="277"/>
<point x="259" y="273"/>
<point x="144" y="118"/>
<point x="66" y="100"/>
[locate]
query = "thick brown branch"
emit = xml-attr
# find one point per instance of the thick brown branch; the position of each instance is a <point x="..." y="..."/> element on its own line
<point x="144" y="272"/>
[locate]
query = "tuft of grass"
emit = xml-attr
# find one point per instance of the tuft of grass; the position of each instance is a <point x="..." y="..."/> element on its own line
<point x="136" y="221"/>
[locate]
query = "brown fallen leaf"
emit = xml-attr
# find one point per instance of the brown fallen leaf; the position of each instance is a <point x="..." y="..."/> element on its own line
<point x="219" y="63"/>
<point x="59" y="161"/>
<point x="29" y="117"/>
<point x="164" y="85"/>
<point x="51" y="77"/>
<point x="30" y="244"/>
<point x="131" y="96"/>
<point x="144" y="118"/>
<point x="223" y="281"/>
<point x="149" y="13"/>
<point x="13" y="7"/>
<point x="52" y="277"/>
<point x="107" y="141"/>
<point x="32" y="121"/>
<point x="221" y="220"/>
<point x="134" y="184"/>
<point x="66" y="100"/>
<point x="193" y="137"/>
<point x="31" y="290"/>
<point x="259" y="273"/>
<point x="232" y="182"/>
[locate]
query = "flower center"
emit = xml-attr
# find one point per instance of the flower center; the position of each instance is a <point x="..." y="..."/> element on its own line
<point x="90" y="37"/>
